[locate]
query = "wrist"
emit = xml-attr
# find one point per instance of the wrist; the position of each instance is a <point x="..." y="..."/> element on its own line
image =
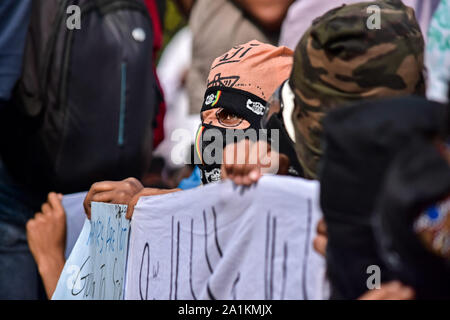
<point x="51" y="264"/>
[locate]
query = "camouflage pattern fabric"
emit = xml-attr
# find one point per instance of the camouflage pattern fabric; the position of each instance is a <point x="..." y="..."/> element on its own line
<point x="339" y="60"/>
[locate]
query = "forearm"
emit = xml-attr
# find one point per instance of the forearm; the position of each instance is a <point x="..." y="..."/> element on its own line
<point x="50" y="271"/>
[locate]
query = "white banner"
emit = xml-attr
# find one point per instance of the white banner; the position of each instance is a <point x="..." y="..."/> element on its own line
<point x="227" y="242"/>
<point x="96" y="266"/>
<point x="75" y="217"/>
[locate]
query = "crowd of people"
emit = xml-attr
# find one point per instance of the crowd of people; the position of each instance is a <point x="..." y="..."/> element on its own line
<point x="310" y="89"/>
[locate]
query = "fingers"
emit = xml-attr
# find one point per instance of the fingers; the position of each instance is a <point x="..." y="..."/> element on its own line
<point x="118" y="192"/>
<point x="46" y="209"/>
<point x="246" y="162"/>
<point x="390" y="291"/>
<point x="103" y="197"/>
<point x="30" y="225"/>
<point x="238" y="173"/>
<point x="33" y="224"/>
<point x="322" y="227"/>
<point x="254" y="175"/>
<point x="229" y="160"/>
<point x="251" y="175"/>
<point x="133" y="183"/>
<point x="223" y="172"/>
<point x="402" y="292"/>
<point x="53" y="206"/>
<point x="55" y="202"/>
<point x="103" y="186"/>
<point x="393" y="290"/>
<point x="46" y="233"/>
<point x="87" y="206"/>
<point x="320" y="244"/>
<point x="245" y="174"/>
<point x="321" y="240"/>
<point x="241" y="163"/>
<point x="145" y="193"/>
<point x="97" y="187"/>
<point x="131" y="205"/>
<point x="283" y="164"/>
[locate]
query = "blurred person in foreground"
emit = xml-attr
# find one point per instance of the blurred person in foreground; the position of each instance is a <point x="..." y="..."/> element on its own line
<point x="412" y="217"/>
<point x="361" y="143"/>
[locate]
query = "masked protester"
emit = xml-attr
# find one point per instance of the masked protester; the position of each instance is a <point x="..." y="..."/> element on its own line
<point x="412" y="218"/>
<point x="239" y="84"/>
<point x="340" y="61"/>
<point x="361" y="142"/>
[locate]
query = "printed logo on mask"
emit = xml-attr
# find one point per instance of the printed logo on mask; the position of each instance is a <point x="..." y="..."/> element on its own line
<point x="213" y="98"/>
<point x="213" y="175"/>
<point x="255" y="107"/>
<point x="210" y="99"/>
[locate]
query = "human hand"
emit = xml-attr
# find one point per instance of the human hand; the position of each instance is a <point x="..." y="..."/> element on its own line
<point x="46" y="235"/>
<point x="117" y="192"/>
<point x="145" y="192"/>
<point x="321" y="239"/>
<point x="246" y="162"/>
<point x="393" y="290"/>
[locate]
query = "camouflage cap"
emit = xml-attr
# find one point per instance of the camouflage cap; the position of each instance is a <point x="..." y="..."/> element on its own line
<point x="340" y="60"/>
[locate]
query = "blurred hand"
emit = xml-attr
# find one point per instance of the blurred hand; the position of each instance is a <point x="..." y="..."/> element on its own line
<point x="117" y="192"/>
<point x="321" y="239"/>
<point x="393" y="290"/>
<point x="46" y="235"/>
<point x="246" y="162"/>
<point x="145" y="193"/>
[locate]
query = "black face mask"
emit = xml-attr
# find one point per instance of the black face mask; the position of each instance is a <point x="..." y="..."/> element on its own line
<point x="239" y="102"/>
<point x="209" y="172"/>
<point x="212" y="140"/>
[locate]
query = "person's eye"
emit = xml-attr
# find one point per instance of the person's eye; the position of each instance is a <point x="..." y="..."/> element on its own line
<point x="228" y="119"/>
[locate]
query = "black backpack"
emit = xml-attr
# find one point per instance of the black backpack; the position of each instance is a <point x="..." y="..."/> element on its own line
<point x="85" y="107"/>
